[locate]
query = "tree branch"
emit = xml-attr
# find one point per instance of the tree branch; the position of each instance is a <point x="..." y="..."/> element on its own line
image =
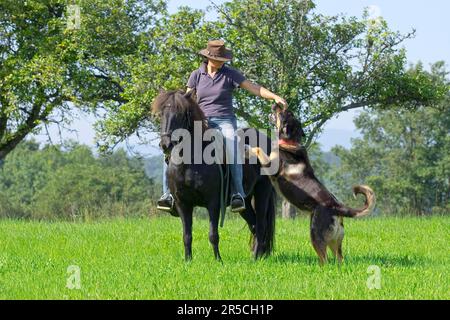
<point x="28" y="125"/>
<point x="348" y="107"/>
<point x="278" y="53"/>
<point x="314" y="131"/>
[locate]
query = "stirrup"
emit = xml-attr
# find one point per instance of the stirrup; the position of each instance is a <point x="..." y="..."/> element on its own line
<point x="164" y="207"/>
<point x="241" y="207"/>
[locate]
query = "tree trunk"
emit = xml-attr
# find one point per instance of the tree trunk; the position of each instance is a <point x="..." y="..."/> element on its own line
<point x="288" y="211"/>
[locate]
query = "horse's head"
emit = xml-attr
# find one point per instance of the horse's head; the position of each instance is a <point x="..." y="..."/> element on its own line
<point x="176" y="110"/>
<point x="287" y="125"/>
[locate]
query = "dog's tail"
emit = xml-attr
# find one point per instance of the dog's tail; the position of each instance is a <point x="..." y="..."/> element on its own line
<point x="361" y="212"/>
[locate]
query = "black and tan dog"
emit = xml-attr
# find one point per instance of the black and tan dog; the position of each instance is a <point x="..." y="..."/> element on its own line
<point x="296" y="181"/>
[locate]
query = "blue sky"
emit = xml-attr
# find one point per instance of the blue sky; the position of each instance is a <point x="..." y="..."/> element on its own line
<point x="431" y="44"/>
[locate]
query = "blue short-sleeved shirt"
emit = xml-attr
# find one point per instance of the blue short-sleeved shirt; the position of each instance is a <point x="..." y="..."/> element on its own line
<point x="215" y="95"/>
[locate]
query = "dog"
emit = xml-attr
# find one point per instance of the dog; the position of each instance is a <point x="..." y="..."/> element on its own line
<point x="296" y="181"/>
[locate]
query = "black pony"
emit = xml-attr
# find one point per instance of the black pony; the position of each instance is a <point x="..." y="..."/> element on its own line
<point x="195" y="185"/>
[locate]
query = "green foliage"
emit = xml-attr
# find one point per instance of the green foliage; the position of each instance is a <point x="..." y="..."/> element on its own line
<point x="403" y="155"/>
<point x="69" y="182"/>
<point x="322" y="65"/>
<point x="164" y="59"/>
<point x="47" y="68"/>
<point x="124" y="52"/>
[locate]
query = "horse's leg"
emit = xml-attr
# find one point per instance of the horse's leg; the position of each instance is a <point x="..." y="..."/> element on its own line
<point x="214" y="214"/>
<point x="186" y="218"/>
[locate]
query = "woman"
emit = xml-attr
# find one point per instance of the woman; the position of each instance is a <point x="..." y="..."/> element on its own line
<point x="214" y="83"/>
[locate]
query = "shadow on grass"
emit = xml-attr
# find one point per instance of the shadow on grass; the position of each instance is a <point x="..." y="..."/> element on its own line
<point x="388" y="260"/>
<point x="295" y="258"/>
<point x="374" y="259"/>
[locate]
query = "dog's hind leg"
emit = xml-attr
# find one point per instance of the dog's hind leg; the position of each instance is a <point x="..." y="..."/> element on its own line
<point x="321" y="249"/>
<point x="317" y="241"/>
<point x="340" y="257"/>
<point x="335" y="244"/>
<point x="336" y="248"/>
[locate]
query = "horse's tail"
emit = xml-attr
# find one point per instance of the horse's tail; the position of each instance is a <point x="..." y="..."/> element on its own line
<point x="368" y="205"/>
<point x="270" y="223"/>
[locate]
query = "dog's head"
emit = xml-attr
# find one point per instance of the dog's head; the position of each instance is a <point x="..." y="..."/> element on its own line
<point x="288" y="127"/>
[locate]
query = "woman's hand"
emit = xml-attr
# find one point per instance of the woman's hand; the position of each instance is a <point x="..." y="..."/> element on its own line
<point x="280" y="101"/>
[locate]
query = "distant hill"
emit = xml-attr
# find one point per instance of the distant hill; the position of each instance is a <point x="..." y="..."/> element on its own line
<point x="332" y="137"/>
<point x="332" y="159"/>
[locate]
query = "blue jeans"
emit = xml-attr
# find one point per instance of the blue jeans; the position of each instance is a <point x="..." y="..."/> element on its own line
<point x="228" y="127"/>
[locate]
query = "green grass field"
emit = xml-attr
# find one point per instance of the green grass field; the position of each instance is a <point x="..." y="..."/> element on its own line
<point x="143" y="259"/>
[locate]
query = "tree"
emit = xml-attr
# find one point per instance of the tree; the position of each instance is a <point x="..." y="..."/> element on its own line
<point x="47" y="67"/>
<point x="322" y="65"/>
<point x="124" y="52"/>
<point x="163" y="61"/>
<point x="69" y="182"/>
<point x="404" y="155"/>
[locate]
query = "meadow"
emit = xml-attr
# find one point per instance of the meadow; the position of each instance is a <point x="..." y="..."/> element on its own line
<point x="143" y="259"/>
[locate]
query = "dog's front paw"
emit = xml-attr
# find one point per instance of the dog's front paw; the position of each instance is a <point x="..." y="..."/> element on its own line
<point x="256" y="151"/>
<point x="249" y="151"/>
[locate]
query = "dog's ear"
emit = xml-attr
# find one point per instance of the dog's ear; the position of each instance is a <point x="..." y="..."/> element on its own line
<point x="300" y="134"/>
<point x="276" y="108"/>
<point x="189" y="94"/>
<point x="294" y="127"/>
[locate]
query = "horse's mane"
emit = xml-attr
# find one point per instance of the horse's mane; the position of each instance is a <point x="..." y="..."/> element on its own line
<point x="179" y="102"/>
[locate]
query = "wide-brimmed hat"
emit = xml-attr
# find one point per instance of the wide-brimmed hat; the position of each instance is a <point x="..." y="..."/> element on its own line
<point x="216" y="51"/>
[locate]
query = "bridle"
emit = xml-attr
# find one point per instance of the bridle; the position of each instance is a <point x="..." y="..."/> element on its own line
<point x="187" y="122"/>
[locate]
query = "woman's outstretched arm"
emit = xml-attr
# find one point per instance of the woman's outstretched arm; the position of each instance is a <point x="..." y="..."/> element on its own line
<point x="260" y="91"/>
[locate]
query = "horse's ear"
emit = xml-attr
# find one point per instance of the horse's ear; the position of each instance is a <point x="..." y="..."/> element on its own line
<point x="188" y="94"/>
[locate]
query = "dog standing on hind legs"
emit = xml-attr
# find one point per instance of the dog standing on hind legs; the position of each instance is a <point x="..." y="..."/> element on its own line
<point x="296" y="181"/>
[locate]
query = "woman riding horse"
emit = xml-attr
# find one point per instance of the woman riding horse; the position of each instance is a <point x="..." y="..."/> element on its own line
<point x="214" y="83"/>
<point x="196" y="183"/>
